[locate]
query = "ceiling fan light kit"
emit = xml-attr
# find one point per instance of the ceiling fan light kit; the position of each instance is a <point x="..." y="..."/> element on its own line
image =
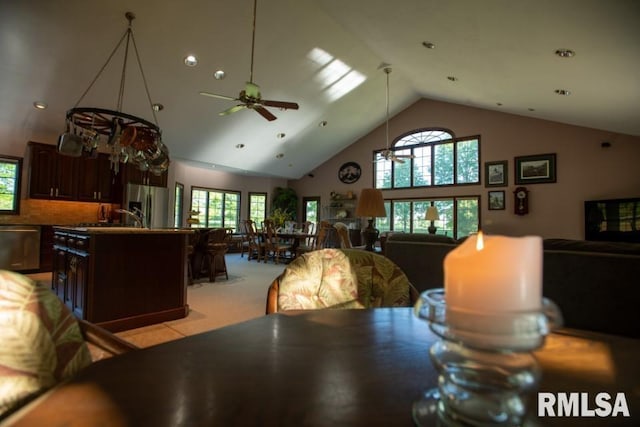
<point x="250" y="97"/>
<point x="129" y="138"/>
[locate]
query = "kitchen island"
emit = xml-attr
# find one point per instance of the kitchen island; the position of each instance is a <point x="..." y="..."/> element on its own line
<point x="121" y="277"/>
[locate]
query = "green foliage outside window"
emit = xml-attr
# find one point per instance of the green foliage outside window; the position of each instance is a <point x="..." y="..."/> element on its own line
<point x="217" y="208"/>
<point x="10" y="171"/>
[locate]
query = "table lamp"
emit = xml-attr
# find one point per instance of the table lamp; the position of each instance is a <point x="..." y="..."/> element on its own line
<point x="432" y="215"/>
<point x="371" y="205"/>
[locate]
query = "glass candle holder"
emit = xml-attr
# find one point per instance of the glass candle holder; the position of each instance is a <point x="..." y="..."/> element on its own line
<point x="486" y="370"/>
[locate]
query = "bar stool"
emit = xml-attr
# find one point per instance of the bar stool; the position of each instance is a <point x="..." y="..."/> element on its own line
<point x="217" y="247"/>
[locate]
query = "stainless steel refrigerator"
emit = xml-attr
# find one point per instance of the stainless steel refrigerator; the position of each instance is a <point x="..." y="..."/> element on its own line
<point x="152" y="201"/>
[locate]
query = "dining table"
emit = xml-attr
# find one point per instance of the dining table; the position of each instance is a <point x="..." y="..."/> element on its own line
<point x="357" y="367"/>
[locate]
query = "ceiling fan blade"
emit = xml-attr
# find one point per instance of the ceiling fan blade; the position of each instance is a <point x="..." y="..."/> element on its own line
<point x="213" y="95"/>
<point x="397" y="160"/>
<point x="264" y="112"/>
<point x="232" y="110"/>
<point x="405" y="156"/>
<point x="281" y="104"/>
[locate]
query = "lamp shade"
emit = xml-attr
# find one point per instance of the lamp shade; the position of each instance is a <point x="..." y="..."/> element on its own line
<point x="371" y="204"/>
<point x="432" y="214"/>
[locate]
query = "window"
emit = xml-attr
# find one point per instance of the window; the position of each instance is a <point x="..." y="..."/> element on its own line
<point x="218" y="208"/>
<point x="257" y="207"/>
<point x="459" y="216"/>
<point x="311" y="209"/>
<point x="429" y="157"/>
<point x="10" y="174"/>
<point x="177" y="205"/>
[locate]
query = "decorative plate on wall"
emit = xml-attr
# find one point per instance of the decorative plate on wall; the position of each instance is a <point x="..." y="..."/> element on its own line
<point x="349" y="172"/>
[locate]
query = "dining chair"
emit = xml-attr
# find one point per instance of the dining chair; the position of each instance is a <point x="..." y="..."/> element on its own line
<point x="244" y="238"/>
<point x="256" y="242"/>
<point x="41" y="342"/>
<point x="317" y="241"/>
<point x="343" y="233"/>
<point x="274" y="247"/>
<point x="340" y="278"/>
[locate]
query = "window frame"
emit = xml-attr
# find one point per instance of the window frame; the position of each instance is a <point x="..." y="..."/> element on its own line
<point x="380" y="164"/>
<point x="203" y="216"/>
<point x="17" y="188"/>
<point x="387" y="223"/>
<point x="249" y="205"/>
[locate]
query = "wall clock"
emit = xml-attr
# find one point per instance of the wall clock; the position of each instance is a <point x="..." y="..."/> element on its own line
<point x="349" y="172"/>
<point x="521" y="206"/>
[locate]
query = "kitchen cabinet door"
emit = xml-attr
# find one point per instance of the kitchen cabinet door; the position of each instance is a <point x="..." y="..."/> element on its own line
<point x="95" y="179"/>
<point x="78" y="277"/>
<point x="53" y="175"/>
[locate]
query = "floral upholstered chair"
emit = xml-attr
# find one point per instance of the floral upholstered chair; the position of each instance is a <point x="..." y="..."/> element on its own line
<point x="340" y="278"/>
<point x="41" y="342"/>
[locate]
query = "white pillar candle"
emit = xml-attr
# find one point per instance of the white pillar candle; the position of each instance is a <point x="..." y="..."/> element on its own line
<point x="494" y="274"/>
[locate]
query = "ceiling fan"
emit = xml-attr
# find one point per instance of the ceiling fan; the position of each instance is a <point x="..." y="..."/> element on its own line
<point x="388" y="153"/>
<point x="250" y="96"/>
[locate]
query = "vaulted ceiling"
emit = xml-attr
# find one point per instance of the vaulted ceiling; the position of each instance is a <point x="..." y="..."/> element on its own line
<point x="323" y="54"/>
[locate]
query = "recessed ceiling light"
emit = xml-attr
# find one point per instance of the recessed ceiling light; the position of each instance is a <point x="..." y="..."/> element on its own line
<point x="190" y="61"/>
<point x="531" y="109"/>
<point x="239" y="146"/>
<point x="563" y="92"/>
<point x="158" y="107"/>
<point x="323" y="123"/>
<point x="565" y="53"/>
<point x="499" y="104"/>
<point x="429" y="45"/>
<point x="40" y="105"/>
<point x="452" y="78"/>
<point x="219" y="75"/>
<point x="279" y="155"/>
<point x="281" y="135"/>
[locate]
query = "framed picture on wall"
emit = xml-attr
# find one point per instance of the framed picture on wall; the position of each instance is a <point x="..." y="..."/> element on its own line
<point x="496" y="200"/>
<point x="537" y="169"/>
<point x="495" y="174"/>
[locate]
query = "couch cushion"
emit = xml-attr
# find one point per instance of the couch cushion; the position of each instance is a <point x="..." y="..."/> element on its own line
<point x="420" y="237"/>
<point x="40" y="341"/>
<point x="591" y="246"/>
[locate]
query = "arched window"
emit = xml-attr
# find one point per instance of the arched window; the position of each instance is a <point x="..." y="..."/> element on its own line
<point x="428" y="157"/>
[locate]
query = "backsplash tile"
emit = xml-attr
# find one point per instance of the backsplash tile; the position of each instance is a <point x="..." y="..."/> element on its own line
<point x="35" y="211"/>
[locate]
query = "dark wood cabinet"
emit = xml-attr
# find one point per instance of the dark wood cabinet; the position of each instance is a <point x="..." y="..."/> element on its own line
<point x="121" y="279"/>
<point x="46" y="248"/>
<point x="97" y="179"/>
<point x="53" y="175"/>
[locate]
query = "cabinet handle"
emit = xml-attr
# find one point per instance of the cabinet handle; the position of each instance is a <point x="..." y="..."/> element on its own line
<point x="51" y="192"/>
<point x="94" y="195"/>
<point x="99" y="194"/>
<point x="57" y="191"/>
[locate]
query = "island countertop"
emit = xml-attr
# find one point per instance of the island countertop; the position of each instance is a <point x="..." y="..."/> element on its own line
<point x="122" y="230"/>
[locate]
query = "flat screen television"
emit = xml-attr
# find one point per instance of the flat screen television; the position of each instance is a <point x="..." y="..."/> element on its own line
<point x="613" y="220"/>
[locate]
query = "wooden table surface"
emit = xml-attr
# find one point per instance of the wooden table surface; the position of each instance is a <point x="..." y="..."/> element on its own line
<point x="323" y="368"/>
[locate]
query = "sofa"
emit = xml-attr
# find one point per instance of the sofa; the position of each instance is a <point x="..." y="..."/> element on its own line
<point x="593" y="283"/>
